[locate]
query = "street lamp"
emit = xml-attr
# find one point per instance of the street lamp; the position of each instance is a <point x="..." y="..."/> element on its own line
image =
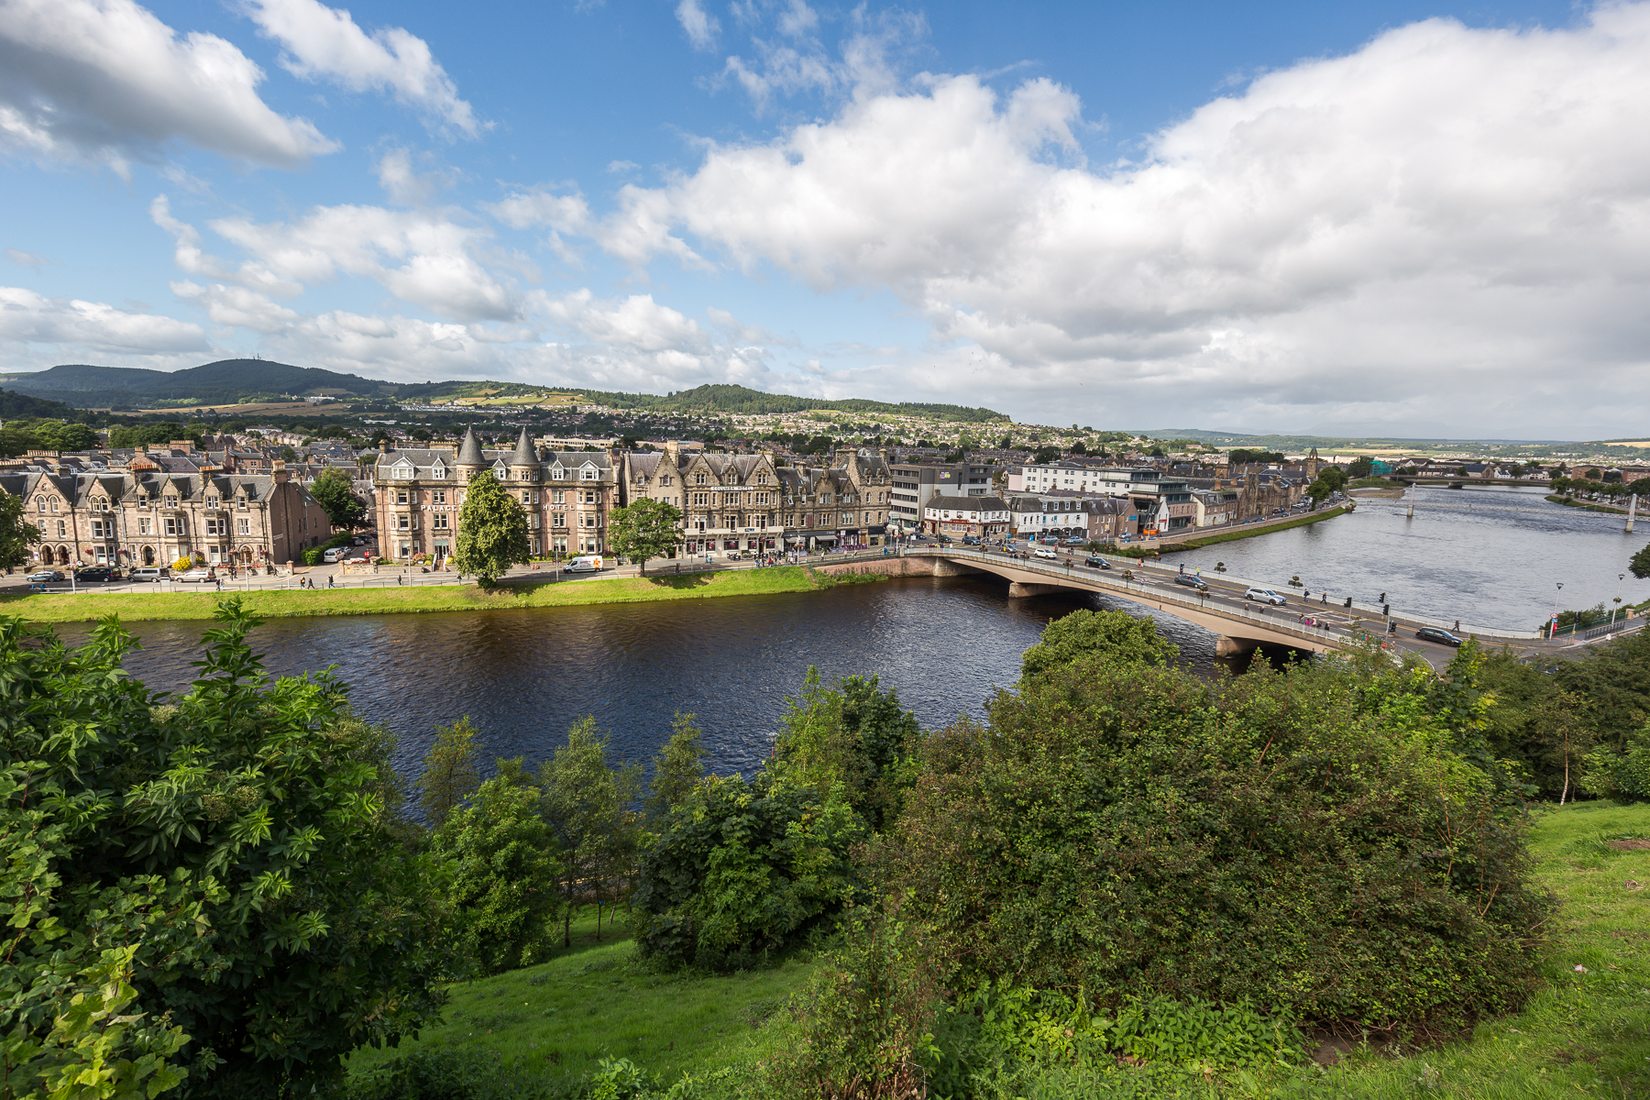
<point x="1619" y="578"/>
<point x="1552" y="631"/>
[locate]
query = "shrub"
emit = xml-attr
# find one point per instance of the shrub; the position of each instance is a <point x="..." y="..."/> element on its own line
<point x="1311" y="841"/>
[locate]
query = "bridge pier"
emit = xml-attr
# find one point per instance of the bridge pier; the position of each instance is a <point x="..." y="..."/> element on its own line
<point x="1226" y="646"/>
<point x="1019" y="590"/>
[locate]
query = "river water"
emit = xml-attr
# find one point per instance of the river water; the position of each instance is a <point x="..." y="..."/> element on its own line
<point x="1490" y="557"/>
<point x="1485" y="556"/>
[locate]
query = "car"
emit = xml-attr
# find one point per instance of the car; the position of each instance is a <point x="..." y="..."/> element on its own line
<point x="1095" y="561"/>
<point x="147" y="573"/>
<point x="971" y="540"/>
<point x="45" y="576"/>
<point x="96" y="573"/>
<point x="1265" y="595"/>
<point x="1437" y="634"/>
<point x="1045" y="552"/>
<point x="1192" y="580"/>
<point x="195" y="576"/>
<point x="1076" y="541"/>
<point x="334" y="554"/>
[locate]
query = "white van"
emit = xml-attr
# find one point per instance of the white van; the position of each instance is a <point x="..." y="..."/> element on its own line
<point x="585" y="563"/>
<point x="147" y="573"/>
<point x="336" y="554"/>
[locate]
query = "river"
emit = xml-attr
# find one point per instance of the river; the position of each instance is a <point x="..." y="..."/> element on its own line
<point x="1490" y="557"/>
<point x="1486" y="556"/>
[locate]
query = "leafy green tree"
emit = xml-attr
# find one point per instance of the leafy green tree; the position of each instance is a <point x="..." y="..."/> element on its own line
<point x="1362" y="466"/>
<point x="503" y="874"/>
<point x="1083" y="634"/>
<point x="742" y="871"/>
<point x="854" y="739"/>
<point x="17" y="535"/>
<point x="335" y="493"/>
<point x="586" y="804"/>
<point x="678" y="769"/>
<point x="1639" y="564"/>
<point x="644" y="529"/>
<point x="1311" y="841"/>
<point x="450" y="774"/>
<point x="222" y="888"/>
<point x="492" y="531"/>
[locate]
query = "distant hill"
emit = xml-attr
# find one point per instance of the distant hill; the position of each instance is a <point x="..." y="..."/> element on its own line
<point x="21" y="405"/>
<point x="222" y="383"/>
<point x="231" y="381"/>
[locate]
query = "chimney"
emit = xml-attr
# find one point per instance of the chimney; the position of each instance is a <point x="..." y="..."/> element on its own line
<point x="279" y="472"/>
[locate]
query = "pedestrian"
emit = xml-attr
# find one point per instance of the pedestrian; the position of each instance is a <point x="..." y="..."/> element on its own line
<point x="1457" y="628"/>
<point x="329" y="580"/>
<point x="1324" y="597"/>
<point x="1182" y="569"/>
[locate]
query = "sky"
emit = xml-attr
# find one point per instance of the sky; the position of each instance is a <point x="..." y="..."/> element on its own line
<point x="1406" y="218"/>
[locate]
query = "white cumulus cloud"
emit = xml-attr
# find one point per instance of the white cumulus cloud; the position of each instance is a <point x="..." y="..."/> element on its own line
<point x="105" y="80"/>
<point x="67" y="326"/>
<point x="699" y="25"/>
<point x="325" y="43"/>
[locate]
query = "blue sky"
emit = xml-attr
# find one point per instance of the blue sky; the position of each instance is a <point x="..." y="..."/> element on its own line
<point x="1403" y="218"/>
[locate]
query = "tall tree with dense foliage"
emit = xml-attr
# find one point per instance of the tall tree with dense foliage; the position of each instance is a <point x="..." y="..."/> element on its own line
<point x="17" y="535"/>
<point x="854" y="738"/>
<point x="644" y="529"/>
<point x="450" y="772"/>
<point x="503" y="875"/>
<point x="492" y="531"/>
<point x="335" y="493"/>
<point x="221" y="888"/>
<point x="587" y="805"/>
<point x="1639" y="563"/>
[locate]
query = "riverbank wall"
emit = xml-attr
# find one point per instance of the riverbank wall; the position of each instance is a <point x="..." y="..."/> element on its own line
<point x="1198" y="542"/>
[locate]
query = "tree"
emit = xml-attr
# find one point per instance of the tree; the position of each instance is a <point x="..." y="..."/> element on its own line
<point x="17" y="535"/>
<point x="492" y="531"/>
<point x="678" y="769"/>
<point x="1116" y="635"/>
<point x="644" y="529"/>
<point x="221" y="888"/>
<point x="586" y="804"/>
<point x="1639" y="564"/>
<point x="742" y="871"/>
<point x="450" y="774"/>
<point x="503" y="874"/>
<point x="854" y="741"/>
<point x="335" y="493"/>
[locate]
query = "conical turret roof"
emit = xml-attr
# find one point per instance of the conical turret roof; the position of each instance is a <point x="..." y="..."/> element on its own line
<point x="469" y="451"/>
<point x="524" y="454"/>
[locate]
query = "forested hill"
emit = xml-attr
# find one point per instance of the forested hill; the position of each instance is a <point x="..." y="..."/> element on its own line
<point x="743" y="399"/>
<point x="17" y="404"/>
<point x="224" y="382"/>
<point x="232" y="381"/>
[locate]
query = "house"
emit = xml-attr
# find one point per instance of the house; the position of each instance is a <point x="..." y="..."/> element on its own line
<point x="985" y="517"/>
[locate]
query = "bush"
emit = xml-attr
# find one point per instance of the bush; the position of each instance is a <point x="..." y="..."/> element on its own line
<point x="1314" y="842"/>
<point x="1624" y="775"/>
<point x="314" y="554"/>
<point x="742" y="870"/>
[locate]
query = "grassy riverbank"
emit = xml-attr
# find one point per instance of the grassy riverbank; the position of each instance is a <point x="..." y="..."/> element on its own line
<point x="539" y="1032"/>
<point x="1256" y="530"/>
<point x="1585" y="505"/>
<point x="277" y="603"/>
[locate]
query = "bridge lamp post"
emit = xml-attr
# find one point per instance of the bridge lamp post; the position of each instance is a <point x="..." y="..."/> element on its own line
<point x="1619" y="578"/>
<point x="1552" y="631"/>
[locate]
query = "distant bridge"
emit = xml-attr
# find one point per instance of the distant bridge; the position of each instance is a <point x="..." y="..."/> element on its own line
<point x="1240" y="624"/>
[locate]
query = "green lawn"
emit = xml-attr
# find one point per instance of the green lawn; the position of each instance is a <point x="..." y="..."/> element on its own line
<point x="289" y="602"/>
<point x="556" y="1020"/>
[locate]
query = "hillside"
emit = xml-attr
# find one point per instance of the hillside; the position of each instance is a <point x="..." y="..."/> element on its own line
<point x="232" y="381"/>
<point x="221" y="383"/>
<point x="17" y="404"/>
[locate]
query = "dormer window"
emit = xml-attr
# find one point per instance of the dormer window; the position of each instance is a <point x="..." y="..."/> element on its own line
<point x="589" y="473"/>
<point x="438" y="470"/>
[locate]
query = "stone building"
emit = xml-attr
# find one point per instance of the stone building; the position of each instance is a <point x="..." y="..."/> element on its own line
<point x="568" y="496"/>
<point x="751" y="504"/>
<point x="967" y="517"/>
<point x="146" y="516"/>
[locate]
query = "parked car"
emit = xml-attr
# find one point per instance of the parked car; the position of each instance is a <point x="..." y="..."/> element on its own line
<point x="971" y="540"/>
<point x="1265" y="595"/>
<point x="1191" y="580"/>
<point x="195" y="576"/>
<point x="96" y="573"/>
<point x="1437" y="634"/>
<point x="1045" y="552"/>
<point x="147" y="573"/>
<point x="45" y="576"/>
<point x="1095" y="561"/>
<point x="333" y="555"/>
<point x="1074" y="541"/>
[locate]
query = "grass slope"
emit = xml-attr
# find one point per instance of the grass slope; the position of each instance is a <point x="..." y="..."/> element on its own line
<point x="1587" y="1033"/>
<point x="289" y="603"/>
<point x="557" y="1019"/>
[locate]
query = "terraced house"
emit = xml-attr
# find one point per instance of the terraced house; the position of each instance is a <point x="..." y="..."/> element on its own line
<point x="567" y="495"/>
<point x="147" y="516"/>
<point x="751" y="504"/>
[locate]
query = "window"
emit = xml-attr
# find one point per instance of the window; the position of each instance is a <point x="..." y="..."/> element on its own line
<point x="171" y="527"/>
<point x="590" y="474"/>
<point x="62" y="530"/>
<point x="440" y="522"/>
<point x="171" y="502"/>
<point x="54" y="504"/>
<point x="401" y="496"/>
<point x="40" y="504"/>
<point x="698" y="479"/>
<point x="587" y="520"/>
<point x="558" y="519"/>
<point x="240" y="504"/>
<point x="589" y="497"/>
<point x="243" y="525"/>
<point x="145" y="525"/>
<point x="403" y="523"/>
<point x="439" y="496"/>
<point x="701" y="500"/>
<point x="665" y="480"/>
<point x="214" y="526"/>
<point x="555" y="496"/>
